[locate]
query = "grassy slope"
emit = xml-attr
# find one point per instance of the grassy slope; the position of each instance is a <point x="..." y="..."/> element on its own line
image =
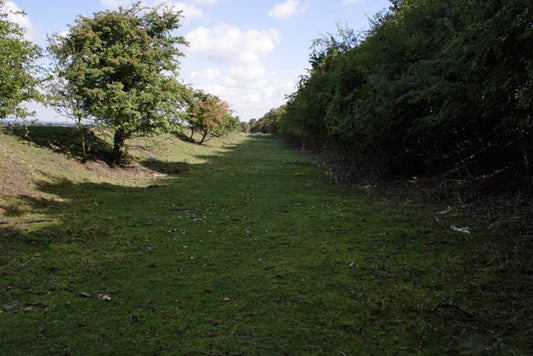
<point x="245" y="251"/>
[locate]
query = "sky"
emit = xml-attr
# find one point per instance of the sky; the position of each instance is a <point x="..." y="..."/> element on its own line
<point x="249" y="53"/>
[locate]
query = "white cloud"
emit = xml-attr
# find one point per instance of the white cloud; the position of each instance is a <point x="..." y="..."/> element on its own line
<point x="205" y="75"/>
<point x="189" y="11"/>
<point x="238" y="81"/>
<point x="251" y="89"/>
<point x="252" y="98"/>
<point x="15" y="15"/>
<point x="240" y="77"/>
<point x="352" y="2"/>
<point x="256" y="103"/>
<point x="229" y="44"/>
<point x="248" y="76"/>
<point x="285" y="10"/>
<point x="269" y="92"/>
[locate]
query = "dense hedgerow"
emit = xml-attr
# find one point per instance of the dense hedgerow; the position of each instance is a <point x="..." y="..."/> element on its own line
<point x="433" y="86"/>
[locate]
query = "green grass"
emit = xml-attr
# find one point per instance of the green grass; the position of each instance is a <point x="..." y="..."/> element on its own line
<point x="242" y="247"/>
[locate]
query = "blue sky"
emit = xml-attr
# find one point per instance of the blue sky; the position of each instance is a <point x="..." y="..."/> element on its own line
<point x="249" y="53"/>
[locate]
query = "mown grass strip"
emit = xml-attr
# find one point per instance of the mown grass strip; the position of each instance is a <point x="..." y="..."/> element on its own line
<point x="253" y="252"/>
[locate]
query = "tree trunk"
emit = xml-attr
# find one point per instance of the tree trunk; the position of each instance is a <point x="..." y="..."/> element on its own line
<point x="83" y="146"/>
<point x="83" y="138"/>
<point x="26" y="129"/>
<point x="204" y="136"/>
<point x="118" y="145"/>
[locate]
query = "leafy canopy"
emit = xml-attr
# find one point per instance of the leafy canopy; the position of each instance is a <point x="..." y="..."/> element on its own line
<point x="19" y="77"/>
<point x="120" y="66"/>
<point x="434" y="86"/>
<point x="210" y="116"/>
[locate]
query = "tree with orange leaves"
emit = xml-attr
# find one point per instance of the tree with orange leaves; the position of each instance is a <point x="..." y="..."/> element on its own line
<point x="210" y="116"/>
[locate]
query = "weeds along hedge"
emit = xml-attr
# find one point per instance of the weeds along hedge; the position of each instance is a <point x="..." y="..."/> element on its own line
<point x="434" y="85"/>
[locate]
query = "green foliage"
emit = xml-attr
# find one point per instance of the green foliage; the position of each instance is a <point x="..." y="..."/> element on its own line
<point x="19" y="74"/>
<point x="233" y="124"/>
<point x="434" y="85"/>
<point x="210" y="116"/>
<point x="244" y="127"/>
<point x="120" y="67"/>
<point x="270" y="122"/>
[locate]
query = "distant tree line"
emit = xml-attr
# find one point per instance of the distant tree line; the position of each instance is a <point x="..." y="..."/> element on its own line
<point x="433" y="86"/>
<point x="117" y="68"/>
<point x="269" y="123"/>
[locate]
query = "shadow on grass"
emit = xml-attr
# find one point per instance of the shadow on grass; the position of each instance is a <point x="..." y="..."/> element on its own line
<point x="77" y="212"/>
<point x="180" y="167"/>
<point x="128" y="242"/>
<point x="183" y="137"/>
<point x="72" y="207"/>
<point x="65" y="140"/>
<point x="170" y="168"/>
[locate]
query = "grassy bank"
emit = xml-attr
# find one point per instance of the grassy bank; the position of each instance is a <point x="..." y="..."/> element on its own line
<point x="240" y="247"/>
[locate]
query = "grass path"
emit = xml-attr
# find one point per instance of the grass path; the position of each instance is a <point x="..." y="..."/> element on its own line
<point x="252" y="253"/>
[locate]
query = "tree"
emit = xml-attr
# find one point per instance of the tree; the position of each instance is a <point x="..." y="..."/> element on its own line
<point x="436" y="86"/>
<point x="233" y="123"/>
<point x="120" y="67"/>
<point x="395" y="5"/>
<point x="270" y="122"/>
<point x="245" y="127"/>
<point x="210" y="116"/>
<point x="66" y="100"/>
<point x="19" y="74"/>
